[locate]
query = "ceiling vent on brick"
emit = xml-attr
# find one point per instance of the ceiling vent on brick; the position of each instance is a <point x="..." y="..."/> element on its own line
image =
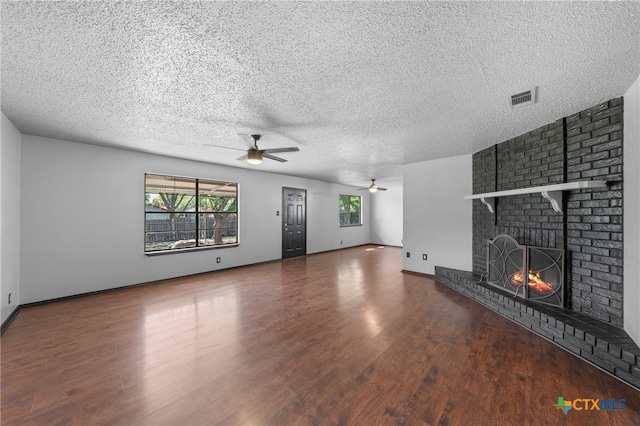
<point x="523" y="99"/>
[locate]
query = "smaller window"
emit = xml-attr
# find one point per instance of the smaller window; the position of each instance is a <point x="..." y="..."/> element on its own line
<point x="350" y="210"/>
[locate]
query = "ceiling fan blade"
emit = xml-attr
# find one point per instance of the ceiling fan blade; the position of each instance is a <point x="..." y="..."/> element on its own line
<point x="290" y="149"/>
<point x="249" y="140"/>
<point x="382" y="189"/>
<point x="227" y="147"/>
<point x="273" y="157"/>
<point x="244" y="157"/>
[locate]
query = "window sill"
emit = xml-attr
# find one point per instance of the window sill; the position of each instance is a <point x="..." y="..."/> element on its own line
<point x="349" y="226"/>
<point x="188" y="249"/>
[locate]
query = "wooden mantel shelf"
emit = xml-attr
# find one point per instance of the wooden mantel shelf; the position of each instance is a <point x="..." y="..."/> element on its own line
<point x="553" y="193"/>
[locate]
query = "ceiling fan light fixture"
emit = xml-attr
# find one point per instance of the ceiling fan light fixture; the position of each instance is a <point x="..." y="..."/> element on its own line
<point x="254" y="157"/>
<point x="373" y="187"/>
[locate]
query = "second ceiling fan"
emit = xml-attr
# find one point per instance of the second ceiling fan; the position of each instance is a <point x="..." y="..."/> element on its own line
<point x="373" y="187"/>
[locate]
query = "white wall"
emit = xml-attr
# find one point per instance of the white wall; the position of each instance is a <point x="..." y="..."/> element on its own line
<point x="437" y="219"/>
<point x="9" y="217"/>
<point x="82" y="226"/>
<point x="386" y="217"/>
<point x="632" y="211"/>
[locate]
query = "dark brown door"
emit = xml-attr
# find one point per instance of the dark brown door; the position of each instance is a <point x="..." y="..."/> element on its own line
<point x="294" y="222"/>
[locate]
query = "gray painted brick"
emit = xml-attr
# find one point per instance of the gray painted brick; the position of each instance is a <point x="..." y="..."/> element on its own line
<point x="593" y="218"/>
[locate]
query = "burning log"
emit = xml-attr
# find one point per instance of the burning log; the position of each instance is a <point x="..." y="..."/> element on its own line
<point x="534" y="282"/>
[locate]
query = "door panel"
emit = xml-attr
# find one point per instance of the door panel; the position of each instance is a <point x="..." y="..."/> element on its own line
<point x="294" y="222"/>
<point x="299" y="215"/>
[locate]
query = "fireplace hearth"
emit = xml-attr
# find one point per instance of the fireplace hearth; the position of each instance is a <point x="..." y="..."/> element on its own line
<point x="599" y="343"/>
<point x="533" y="273"/>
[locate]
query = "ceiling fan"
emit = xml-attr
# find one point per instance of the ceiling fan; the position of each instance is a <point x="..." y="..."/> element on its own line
<point x="373" y="187"/>
<point x="254" y="154"/>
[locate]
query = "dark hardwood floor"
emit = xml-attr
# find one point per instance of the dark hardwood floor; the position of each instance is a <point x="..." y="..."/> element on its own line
<point x="342" y="337"/>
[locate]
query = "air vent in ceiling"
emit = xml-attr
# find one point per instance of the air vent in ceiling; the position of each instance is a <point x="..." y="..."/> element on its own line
<point x="524" y="98"/>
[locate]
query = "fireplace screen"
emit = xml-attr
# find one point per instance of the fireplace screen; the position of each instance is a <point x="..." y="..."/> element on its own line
<point x="534" y="273"/>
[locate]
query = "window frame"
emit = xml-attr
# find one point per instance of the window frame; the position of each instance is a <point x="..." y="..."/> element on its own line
<point x="197" y="212"/>
<point x="340" y="213"/>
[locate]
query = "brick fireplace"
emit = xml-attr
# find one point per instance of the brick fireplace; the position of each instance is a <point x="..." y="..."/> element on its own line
<point x="581" y="147"/>
<point x="584" y="146"/>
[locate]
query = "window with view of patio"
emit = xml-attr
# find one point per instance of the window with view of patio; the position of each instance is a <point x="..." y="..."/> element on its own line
<point x="183" y="212"/>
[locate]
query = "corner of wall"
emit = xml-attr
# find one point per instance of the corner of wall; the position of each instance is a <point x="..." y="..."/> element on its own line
<point x="436" y="217"/>
<point x="386" y="217"/>
<point x="631" y="177"/>
<point x="10" y="169"/>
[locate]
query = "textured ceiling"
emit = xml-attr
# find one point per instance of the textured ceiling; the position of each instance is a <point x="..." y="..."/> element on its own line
<point x="361" y="88"/>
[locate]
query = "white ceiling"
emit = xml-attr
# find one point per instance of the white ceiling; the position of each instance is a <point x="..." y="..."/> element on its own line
<point x="361" y="88"/>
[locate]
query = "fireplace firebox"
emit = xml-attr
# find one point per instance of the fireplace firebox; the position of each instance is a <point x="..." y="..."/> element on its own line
<point x="533" y="273"/>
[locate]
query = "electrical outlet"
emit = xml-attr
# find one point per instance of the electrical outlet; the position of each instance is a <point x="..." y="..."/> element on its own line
<point x="340" y="242"/>
<point x="424" y="256"/>
<point x="9" y="298"/>
<point x="218" y="260"/>
<point x="408" y="254"/>
<point x="277" y="212"/>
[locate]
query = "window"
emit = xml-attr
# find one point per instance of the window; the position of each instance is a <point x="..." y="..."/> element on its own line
<point x="350" y="210"/>
<point x="183" y="212"/>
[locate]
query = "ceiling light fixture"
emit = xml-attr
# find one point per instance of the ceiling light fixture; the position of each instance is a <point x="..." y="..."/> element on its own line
<point x="254" y="156"/>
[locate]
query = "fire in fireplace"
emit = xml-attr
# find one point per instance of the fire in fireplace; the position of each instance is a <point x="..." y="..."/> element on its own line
<point x="535" y="282"/>
<point x="534" y="273"/>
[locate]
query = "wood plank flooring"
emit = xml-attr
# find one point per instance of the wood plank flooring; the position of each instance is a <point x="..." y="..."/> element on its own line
<point x="342" y="337"/>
